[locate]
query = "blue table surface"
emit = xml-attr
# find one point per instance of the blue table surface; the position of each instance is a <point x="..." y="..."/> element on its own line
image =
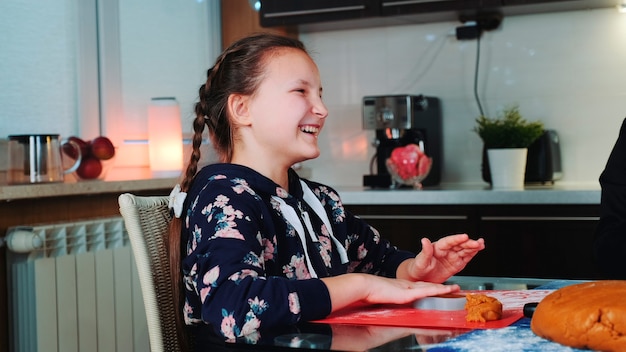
<point x="514" y="338"/>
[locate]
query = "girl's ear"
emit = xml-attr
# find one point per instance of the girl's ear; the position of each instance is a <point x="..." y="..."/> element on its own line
<point x="238" y="105"/>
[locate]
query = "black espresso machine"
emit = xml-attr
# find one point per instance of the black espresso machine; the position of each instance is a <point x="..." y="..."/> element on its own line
<point x="400" y="120"/>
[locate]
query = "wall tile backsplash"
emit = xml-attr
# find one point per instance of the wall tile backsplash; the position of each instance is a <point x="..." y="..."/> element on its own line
<point x="565" y="69"/>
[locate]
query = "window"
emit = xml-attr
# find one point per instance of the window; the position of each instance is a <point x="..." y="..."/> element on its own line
<point x="90" y="67"/>
<point x="163" y="48"/>
<point x="40" y="51"/>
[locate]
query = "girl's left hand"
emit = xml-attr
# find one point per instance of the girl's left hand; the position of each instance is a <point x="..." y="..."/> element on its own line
<point x="439" y="260"/>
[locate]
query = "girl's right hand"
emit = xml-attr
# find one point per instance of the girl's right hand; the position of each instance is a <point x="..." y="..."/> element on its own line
<point x="353" y="288"/>
<point x="387" y="290"/>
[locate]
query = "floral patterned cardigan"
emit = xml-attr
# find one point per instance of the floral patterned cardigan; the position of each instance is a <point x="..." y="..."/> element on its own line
<point x="246" y="269"/>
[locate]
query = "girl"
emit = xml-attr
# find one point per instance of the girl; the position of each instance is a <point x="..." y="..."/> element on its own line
<point x="262" y="248"/>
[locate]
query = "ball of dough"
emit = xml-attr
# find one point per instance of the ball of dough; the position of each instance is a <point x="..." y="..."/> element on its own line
<point x="482" y="308"/>
<point x="588" y="315"/>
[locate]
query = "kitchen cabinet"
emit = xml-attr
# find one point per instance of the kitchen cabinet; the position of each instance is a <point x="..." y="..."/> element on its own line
<point x="281" y="12"/>
<point x="367" y="13"/>
<point x="405" y="225"/>
<point x="546" y="241"/>
<point x="287" y="12"/>
<point x="531" y="2"/>
<point x="522" y="240"/>
<point x="401" y="7"/>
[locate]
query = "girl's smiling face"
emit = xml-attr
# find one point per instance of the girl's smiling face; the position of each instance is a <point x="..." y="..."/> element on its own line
<point x="287" y="112"/>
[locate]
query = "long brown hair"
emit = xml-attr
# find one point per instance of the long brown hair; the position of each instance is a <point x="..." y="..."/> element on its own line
<point x="239" y="69"/>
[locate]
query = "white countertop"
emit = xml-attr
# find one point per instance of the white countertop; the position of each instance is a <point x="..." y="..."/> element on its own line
<point x="473" y="194"/>
<point x="130" y="180"/>
<point x="120" y="181"/>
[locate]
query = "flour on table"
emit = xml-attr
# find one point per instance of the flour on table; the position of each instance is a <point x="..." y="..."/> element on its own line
<point x="515" y="338"/>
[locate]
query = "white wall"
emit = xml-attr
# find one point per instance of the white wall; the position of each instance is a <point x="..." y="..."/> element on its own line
<point x="566" y="69"/>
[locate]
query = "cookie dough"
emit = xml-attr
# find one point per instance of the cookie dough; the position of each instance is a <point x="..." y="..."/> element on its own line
<point x="482" y="308"/>
<point x="588" y="315"/>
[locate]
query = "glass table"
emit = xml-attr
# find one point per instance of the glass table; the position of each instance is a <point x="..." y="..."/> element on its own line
<point x="353" y="337"/>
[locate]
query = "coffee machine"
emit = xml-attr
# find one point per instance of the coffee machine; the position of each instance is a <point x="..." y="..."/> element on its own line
<point x="400" y="120"/>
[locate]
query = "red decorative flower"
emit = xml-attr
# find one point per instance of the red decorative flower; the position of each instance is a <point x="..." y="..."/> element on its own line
<point x="409" y="165"/>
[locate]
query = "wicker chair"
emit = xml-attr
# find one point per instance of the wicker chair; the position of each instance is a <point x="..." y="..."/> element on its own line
<point x="147" y="222"/>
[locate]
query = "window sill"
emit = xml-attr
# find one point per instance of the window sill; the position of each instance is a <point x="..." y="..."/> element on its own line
<point x="118" y="180"/>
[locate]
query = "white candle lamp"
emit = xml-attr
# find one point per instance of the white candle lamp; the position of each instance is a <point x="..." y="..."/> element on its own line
<point x="165" y="137"/>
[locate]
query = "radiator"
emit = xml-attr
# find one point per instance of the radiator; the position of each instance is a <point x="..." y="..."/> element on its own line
<point x="74" y="287"/>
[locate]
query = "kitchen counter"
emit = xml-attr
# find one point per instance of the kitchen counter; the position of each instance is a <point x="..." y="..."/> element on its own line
<point x="129" y="180"/>
<point x="122" y="180"/>
<point x="473" y="194"/>
<point x="15" y="192"/>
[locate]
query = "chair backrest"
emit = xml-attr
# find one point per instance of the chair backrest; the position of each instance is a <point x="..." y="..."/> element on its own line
<point x="147" y="222"/>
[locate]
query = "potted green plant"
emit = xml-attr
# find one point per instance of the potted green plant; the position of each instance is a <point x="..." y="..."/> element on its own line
<point x="506" y="140"/>
<point x="509" y="130"/>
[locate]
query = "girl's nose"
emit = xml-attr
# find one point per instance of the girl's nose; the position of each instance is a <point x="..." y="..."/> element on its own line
<point x="319" y="109"/>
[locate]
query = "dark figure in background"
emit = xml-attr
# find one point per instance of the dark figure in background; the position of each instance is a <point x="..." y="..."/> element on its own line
<point x="610" y="239"/>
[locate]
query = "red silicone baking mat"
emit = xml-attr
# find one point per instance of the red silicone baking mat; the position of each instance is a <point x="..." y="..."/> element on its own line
<point x="407" y="316"/>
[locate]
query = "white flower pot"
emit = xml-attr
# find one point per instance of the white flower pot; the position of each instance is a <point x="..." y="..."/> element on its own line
<point x="507" y="167"/>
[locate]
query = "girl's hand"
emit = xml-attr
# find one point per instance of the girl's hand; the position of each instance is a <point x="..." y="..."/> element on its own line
<point x="354" y="288"/>
<point x="439" y="260"/>
<point x="399" y="291"/>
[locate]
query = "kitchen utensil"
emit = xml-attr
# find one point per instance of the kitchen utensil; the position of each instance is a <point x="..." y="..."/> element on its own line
<point x="529" y="309"/>
<point x="38" y="159"/>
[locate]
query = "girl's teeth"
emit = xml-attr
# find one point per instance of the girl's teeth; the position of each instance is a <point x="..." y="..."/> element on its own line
<point x="309" y="129"/>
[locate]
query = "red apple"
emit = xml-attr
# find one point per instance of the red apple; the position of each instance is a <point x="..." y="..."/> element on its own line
<point x="102" y="148"/>
<point x="70" y="149"/>
<point x="89" y="168"/>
